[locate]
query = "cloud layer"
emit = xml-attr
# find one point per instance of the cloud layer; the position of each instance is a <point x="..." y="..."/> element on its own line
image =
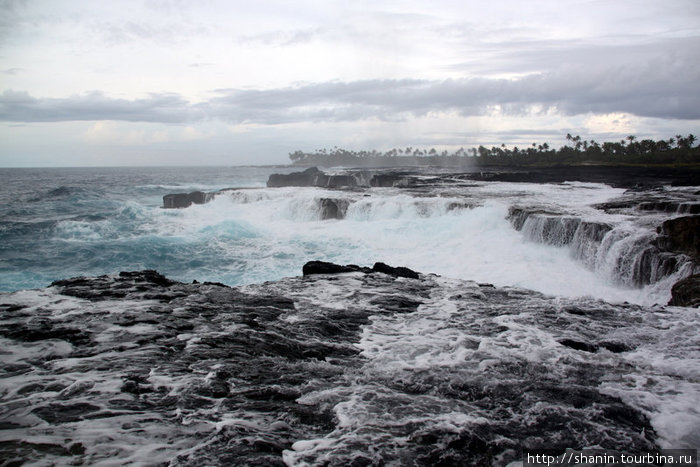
<point x="268" y="77"/>
<point x="665" y="90"/>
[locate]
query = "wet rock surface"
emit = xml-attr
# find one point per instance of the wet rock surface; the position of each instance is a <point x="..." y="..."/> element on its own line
<point x="347" y="365"/>
<point x="686" y="292"/>
<point x="185" y="200"/>
<point x="313" y="177"/>
<point x="620" y="176"/>
<point x="681" y="234"/>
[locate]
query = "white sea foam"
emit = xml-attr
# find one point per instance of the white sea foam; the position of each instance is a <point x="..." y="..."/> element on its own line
<point x="269" y="233"/>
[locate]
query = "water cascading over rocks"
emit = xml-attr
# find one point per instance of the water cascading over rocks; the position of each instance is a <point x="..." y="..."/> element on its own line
<point x="627" y="255"/>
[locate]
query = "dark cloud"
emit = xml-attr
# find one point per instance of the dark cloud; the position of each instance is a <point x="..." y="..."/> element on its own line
<point x="666" y="89"/>
<point x="165" y="108"/>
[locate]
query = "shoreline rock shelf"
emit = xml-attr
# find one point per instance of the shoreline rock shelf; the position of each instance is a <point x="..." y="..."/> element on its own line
<point x="105" y="368"/>
<point x="674" y="245"/>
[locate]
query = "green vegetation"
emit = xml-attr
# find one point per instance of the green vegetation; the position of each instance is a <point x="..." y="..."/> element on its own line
<point x="630" y="151"/>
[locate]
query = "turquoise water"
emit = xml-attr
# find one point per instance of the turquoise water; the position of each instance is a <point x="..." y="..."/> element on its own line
<point x="61" y="223"/>
<point x="58" y="223"/>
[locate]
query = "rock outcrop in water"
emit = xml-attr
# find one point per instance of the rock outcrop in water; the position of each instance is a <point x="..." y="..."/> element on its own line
<point x="312" y="177"/>
<point x="686" y="292"/>
<point x="682" y="235"/>
<point x="185" y="200"/>
<point x="345" y="366"/>
<point x="331" y="208"/>
<point x="322" y="267"/>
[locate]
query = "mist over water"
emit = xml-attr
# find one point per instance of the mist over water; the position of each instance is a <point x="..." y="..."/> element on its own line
<point x="70" y="222"/>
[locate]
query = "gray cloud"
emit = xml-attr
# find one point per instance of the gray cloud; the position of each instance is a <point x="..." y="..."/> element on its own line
<point x="165" y="108"/>
<point x="667" y="89"/>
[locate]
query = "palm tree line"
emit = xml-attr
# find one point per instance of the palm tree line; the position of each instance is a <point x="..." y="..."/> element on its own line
<point x="630" y="150"/>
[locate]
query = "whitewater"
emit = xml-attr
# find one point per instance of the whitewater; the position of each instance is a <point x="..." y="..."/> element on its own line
<point x="59" y="223"/>
<point x="537" y="319"/>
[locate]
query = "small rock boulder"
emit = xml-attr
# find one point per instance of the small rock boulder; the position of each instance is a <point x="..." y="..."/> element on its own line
<point x="395" y="271"/>
<point x="686" y="292"/>
<point x="323" y="267"/>
<point x="333" y="208"/>
<point x="185" y="200"/>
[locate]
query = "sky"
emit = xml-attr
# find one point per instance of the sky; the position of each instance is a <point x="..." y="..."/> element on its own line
<point x="209" y="82"/>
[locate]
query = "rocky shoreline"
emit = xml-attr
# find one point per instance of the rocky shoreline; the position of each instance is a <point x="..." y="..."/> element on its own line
<point x="346" y="365"/>
<point x="673" y="247"/>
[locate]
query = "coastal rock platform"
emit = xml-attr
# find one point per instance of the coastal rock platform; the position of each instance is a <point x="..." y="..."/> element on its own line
<point x="345" y="365"/>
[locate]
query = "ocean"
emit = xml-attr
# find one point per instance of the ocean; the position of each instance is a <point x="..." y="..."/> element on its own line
<point x="60" y="223"/>
<point x="535" y="318"/>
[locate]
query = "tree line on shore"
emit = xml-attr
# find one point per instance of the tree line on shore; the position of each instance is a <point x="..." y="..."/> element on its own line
<point x="678" y="150"/>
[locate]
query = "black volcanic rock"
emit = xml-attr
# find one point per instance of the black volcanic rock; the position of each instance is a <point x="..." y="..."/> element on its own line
<point x="313" y="177"/>
<point x="308" y="177"/>
<point x="322" y="267"/>
<point x="339" y="181"/>
<point x="386" y="179"/>
<point x="686" y="292"/>
<point x="333" y="208"/>
<point x="253" y="375"/>
<point x="185" y="200"/>
<point x="578" y="345"/>
<point x="617" y="176"/>
<point x="681" y="234"/>
<point x="395" y="271"/>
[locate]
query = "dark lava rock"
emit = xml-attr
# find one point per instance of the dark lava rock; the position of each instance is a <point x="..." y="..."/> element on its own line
<point x="333" y="208"/>
<point x="578" y="345"/>
<point x="681" y="234"/>
<point x="312" y="177"/>
<point x="395" y="271"/>
<point x="308" y="177"/>
<point x="126" y="283"/>
<point x="619" y="177"/>
<point x="397" y="303"/>
<point x="43" y="330"/>
<point x="338" y="181"/>
<point x="65" y="413"/>
<point x="149" y="276"/>
<point x="184" y="200"/>
<point x="386" y="180"/>
<point x="686" y="292"/>
<point x="616" y="347"/>
<point x="237" y="375"/>
<point x="670" y="206"/>
<point x="322" y="267"/>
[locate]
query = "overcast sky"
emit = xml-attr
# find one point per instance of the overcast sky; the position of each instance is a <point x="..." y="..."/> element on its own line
<point x="211" y="82"/>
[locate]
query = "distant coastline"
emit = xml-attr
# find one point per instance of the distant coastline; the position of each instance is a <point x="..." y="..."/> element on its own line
<point x="678" y="151"/>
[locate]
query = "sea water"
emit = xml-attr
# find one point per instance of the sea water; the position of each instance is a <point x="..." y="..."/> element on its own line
<point x="59" y="223"/>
